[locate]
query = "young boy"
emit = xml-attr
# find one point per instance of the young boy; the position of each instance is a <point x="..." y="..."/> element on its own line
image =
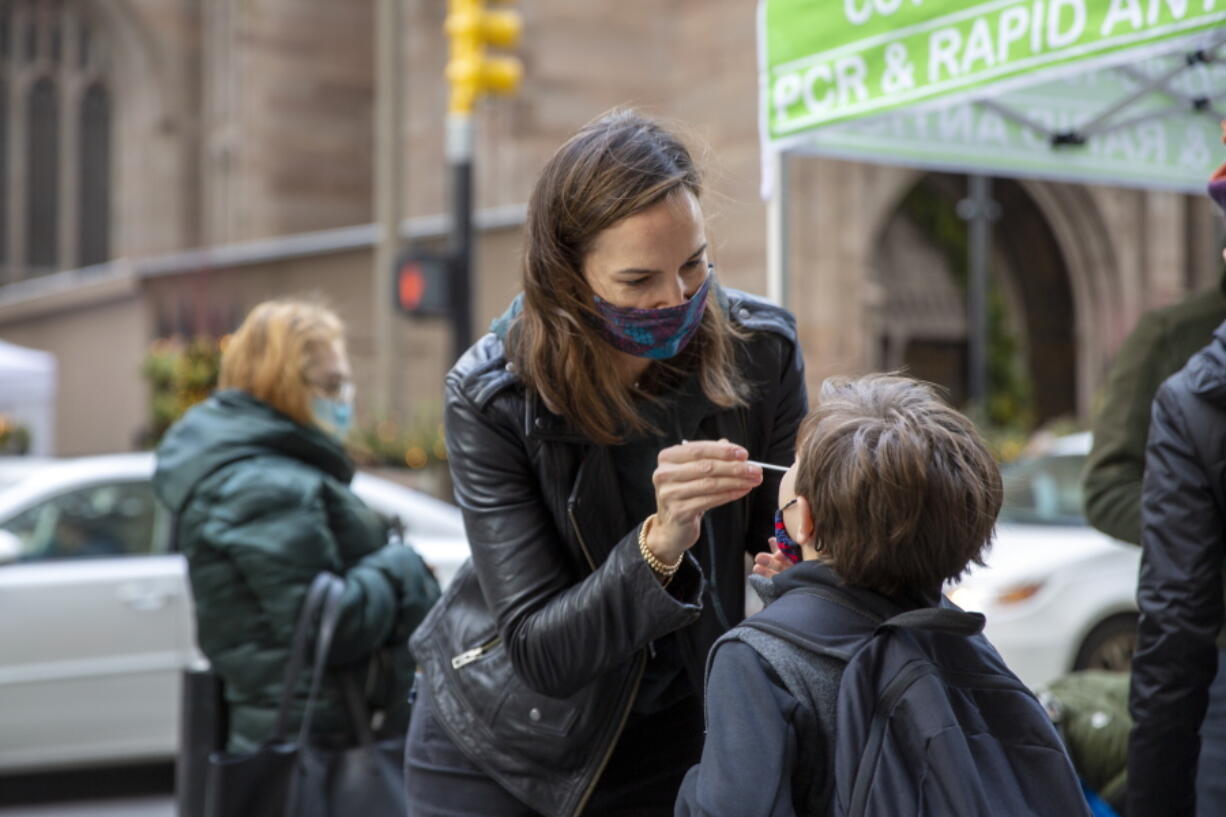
<point x="859" y="689"/>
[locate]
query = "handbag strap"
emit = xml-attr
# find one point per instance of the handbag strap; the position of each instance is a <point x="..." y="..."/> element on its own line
<point x="358" y="713"/>
<point x="316" y="596"/>
<point x="328" y="618"/>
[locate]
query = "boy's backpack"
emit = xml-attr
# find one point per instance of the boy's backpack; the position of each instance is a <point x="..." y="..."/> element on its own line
<point x="929" y="721"/>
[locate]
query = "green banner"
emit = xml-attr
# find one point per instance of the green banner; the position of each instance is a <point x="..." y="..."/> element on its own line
<point x="826" y="61"/>
<point x="1161" y="143"/>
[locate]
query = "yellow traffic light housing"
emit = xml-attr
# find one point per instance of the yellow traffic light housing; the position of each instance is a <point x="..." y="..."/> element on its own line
<point x="472" y="28"/>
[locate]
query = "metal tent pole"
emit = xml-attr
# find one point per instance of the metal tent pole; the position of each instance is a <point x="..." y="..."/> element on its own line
<point x="777" y="230"/>
<point x="979" y="210"/>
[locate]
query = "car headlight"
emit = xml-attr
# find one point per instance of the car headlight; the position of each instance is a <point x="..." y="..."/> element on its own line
<point x="977" y="599"/>
<point x="1018" y="593"/>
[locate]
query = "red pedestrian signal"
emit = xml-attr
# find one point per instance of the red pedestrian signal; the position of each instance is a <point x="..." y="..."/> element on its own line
<point x="412" y="286"/>
<point x="421" y="282"/>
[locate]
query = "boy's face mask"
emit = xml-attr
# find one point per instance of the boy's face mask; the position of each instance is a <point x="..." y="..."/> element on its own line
<point x="787" y="546"/>
<point x="657" y="334"/>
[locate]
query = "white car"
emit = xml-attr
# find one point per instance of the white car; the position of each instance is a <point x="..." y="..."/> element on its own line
<point x="95" y="612"/>
<point x="1058" y="594"/>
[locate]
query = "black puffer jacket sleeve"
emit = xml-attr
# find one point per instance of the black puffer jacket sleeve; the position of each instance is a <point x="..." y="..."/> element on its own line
<point x="1180" y="597"/>
<point x="559" y="634"/>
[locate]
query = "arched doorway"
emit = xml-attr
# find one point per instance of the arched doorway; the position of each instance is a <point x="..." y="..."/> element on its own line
<point x="920" y="269"/>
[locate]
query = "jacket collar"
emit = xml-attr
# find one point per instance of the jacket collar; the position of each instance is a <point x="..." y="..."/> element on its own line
<point x="233" y="425"/>
<point x="1206" y="371"/>
<point x="816" y="572"/>
<point x="542" y="424"/>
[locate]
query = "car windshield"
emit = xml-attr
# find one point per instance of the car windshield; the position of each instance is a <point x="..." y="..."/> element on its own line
<point x="1045" y="490"/>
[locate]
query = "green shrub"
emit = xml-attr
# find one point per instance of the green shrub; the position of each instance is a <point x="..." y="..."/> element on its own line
<point x="181" y="373"/>
<point x="14" y="437"/>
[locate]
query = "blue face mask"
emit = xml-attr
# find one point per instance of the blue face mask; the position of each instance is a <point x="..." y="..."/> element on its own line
<point x="336" y="416"/>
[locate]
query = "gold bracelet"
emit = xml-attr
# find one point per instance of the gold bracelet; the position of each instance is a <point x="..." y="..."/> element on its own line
<point x="653" y="561"/>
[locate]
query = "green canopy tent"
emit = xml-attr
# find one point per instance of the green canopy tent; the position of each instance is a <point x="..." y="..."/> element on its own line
<point x="1122" y="92"/>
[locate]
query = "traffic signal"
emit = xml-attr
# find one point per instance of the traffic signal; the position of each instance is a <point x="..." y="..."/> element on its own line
<point x="421" y="282"/>
<point x="472" y="28"/>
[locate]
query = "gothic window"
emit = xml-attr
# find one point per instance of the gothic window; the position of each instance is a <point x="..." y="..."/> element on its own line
<point x="42" y="175"/>
<point x="94" y="224"/>
<point x="56" y="120"/>
<point x="4" y="174"/>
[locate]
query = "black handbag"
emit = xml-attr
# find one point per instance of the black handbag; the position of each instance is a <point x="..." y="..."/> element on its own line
<point x="285" y="778"/>
<point x="202" y="731"/>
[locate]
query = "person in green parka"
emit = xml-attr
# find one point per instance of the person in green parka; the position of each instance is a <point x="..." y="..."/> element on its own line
<point x="258" y="483"/>
<point x="1159" y="346"/>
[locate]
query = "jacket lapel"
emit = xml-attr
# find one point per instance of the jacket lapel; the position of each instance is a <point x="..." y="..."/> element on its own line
<point x="595" y="510"/>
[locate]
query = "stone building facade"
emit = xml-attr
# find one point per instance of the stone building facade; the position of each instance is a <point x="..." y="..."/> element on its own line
<point x="238" y="165"/>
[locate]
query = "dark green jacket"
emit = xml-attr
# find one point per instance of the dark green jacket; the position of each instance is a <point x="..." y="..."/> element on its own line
<point x="263" y="505"/>
<point x="1090" y="708"/>
<point x="1159" y="346"/>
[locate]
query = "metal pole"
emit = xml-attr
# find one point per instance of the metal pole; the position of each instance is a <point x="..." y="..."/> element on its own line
<point x="979" y="246"/>
<point x="460" y="157"/>
<point x="777" y="230"/>
<point x="389" y="185"/>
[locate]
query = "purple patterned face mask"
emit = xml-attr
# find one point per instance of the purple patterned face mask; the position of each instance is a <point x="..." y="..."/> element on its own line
<point x="657" y="334"/>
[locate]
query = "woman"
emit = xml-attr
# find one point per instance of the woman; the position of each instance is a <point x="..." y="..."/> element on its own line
<point x="259" y="485"/>
<point x="563" y="669"/>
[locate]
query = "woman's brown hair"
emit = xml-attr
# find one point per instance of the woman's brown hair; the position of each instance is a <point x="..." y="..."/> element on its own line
<point x="269" y="355"/>
<point x="903" y="491"/>
<point x="616" y="166"/>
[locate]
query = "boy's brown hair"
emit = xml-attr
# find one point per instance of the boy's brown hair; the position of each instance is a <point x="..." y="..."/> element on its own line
<point x="903" y="491"/>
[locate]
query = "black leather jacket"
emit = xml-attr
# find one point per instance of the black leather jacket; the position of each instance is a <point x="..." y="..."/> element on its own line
<point x="534" y="655"/>
<point x="1183" y="502"/>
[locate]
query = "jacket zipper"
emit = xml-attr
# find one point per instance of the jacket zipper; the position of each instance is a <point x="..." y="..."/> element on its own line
<point x="570" y="511"/>
<point x="634" y="688"/>
<point x="712" y="586"/>
<point x="468" y="656"/>
<point x="621" y="726"/>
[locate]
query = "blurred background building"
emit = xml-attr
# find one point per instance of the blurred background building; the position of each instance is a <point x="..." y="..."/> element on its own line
<point x="166" y="164"/>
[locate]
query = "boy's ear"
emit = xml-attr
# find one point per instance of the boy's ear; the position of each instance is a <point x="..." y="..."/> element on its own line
<point x="805" y="533"/>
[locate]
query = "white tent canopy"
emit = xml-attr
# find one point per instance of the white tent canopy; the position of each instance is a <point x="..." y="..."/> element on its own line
<point x="27" y="393"/>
